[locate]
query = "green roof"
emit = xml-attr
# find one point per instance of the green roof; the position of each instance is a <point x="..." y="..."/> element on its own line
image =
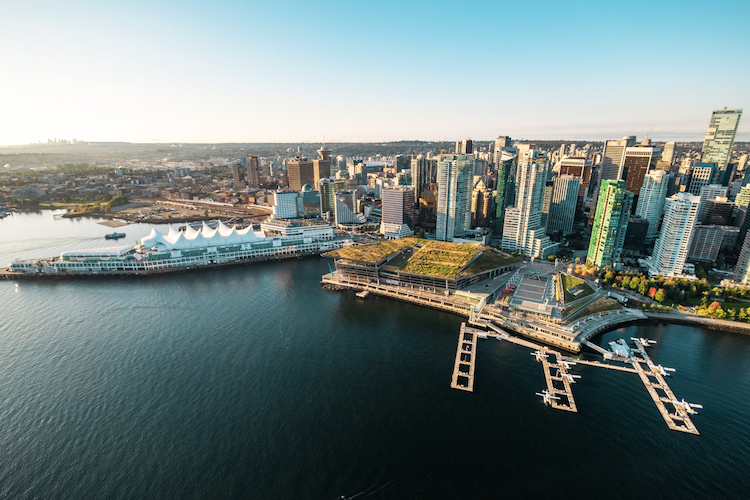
<point x="374" y="252"/>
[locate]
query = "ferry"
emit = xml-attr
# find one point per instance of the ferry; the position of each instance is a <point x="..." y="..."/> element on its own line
<point x="114" y="236"/>
<point x="184" y="250"/>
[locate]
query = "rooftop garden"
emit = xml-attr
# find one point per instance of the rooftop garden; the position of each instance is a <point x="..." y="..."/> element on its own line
<point x="374" y="252"/>
<point x="443" y="259"/>
<point x="573" y="288"/>
<point x="490" y="259"/>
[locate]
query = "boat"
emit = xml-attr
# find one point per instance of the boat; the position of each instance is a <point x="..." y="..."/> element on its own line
<point x="114" y="236"/>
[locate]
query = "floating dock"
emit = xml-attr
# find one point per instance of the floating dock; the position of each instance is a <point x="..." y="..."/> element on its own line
<point x="559" y="380"/>
<point x="565" y="393"/>
<point x="363" y="294"/>
<point x="680" y="419"/>
<point x="466" y="355"/>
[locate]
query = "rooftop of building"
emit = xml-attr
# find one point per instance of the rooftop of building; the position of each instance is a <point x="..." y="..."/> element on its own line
<point x="428" y="257"/>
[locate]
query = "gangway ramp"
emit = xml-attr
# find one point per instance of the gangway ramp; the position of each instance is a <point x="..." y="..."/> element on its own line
<point x="607" y="354"/>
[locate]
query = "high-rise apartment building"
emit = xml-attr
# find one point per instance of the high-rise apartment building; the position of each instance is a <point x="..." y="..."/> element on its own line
<point x="707" y="241"/>
<point x="717" y="145"/>
<point x="651" y="201"/>
<point x="742" y="270"/>
<point x="562" y="210"/>
<point x="398" y="211"/>
<point x="423" y="172"/>
<point x="296" y="204"/>
<point x="455" y="175"/>
<point x="501" y="142"/>
<point x="481" y="204"/>
<point x="505" y="162"/>
<point x="522" y="230"/>
<point x="300" y="172"/>
<point x="671" y="248"/>
<point x="610" y="223"/>
<point x="580" y="168"/>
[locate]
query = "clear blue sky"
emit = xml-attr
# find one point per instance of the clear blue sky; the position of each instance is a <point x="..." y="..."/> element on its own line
<point x="223" y="71"/>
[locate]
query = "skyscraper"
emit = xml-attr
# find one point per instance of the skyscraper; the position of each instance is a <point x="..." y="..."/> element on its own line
<point x="671" y="248"/>
<point x="300" y="171"/>
<point x="637" y="161"/>
<point x="700" y="176"/>
<point x="504" y="191"/>
<point x="742" y="270"/>
<point x="465" y="147"/>
<point x="322" y="166"/>
<point x="328" y="188"/>
<point x="614" y="156"/>
<point x="501" y="142"/>
<point x="455" y="174"/>
<point x="580" y="168"/>
<point x="423" y="173"/>
<point x="522" y="229"/>
<point x="610" y="224"/>
<point x="562" y="208"/>
<point x="398" y="212"/>
<point x="238" y="175"/>
<point x="717" y="145"/>
<point x="253" y="171"/>
<point x="668" y="153"/>
<point x="346" y="208"/>
<point x="651" y="201"/>
<point x="481" y="204"/>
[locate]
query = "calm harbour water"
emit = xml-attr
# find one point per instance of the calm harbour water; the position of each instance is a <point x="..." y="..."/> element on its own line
<point x="254" y="382"/>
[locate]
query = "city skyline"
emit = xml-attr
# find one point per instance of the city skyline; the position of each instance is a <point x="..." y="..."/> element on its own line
<point x="251" y="72"/>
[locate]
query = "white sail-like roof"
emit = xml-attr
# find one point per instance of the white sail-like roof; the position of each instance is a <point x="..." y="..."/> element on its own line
<point x="205" y="237"/>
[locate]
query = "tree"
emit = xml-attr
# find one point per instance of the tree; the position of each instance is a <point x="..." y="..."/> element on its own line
<point x="609" y="277"/>
<point x="635" y="282"/>
<point x="742" y="315"/>
<point x="652" y="292"/>
<point x="625" y="281"/>
<point x="421" y="233"/>
<point x="713" y="307"/>
<point x="578" y="260"/>
<point x="660" y="295"/>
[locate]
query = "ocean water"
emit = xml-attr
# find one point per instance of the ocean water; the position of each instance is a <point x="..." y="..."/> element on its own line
<point x="254" y="382"/>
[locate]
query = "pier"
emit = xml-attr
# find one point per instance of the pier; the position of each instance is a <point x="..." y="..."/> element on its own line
<point x="565" y="394"/>
<point x="463" y="369"/>
<point x="559" y="393"/>
<point x="680" y="419"/>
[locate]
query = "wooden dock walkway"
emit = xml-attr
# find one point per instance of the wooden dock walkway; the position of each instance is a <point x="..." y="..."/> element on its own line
<point x="680" y="419"/>
<point x="600" y="364"/>
<point x="466" y="355"/>
<point x="566" y="401"/>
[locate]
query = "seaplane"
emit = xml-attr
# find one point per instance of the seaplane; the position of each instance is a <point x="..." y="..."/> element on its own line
<point x="566" y="364"/>
<point x="539" y="355"/>
<point x="569" y="377"/>
<point x="547" y="396"/>
<point x="663" y="370"/>
<point x="644" y="342"/>
<point x="689" y="407"/>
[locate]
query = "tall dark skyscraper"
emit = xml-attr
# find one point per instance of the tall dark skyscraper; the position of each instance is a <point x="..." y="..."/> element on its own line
<point x="300" y="171"/>
<point x="253" y="171"/>
<point x="717" y="146"/>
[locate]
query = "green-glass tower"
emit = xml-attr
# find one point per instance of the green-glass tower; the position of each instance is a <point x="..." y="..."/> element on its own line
<point x="610" y="224"/>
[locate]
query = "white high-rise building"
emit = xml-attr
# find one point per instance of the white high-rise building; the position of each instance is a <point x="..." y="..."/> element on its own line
<point x="613" y="157"/>
<point x="287" y="204"/>
<point x="651" y="201"/>
<point x="671" y="248"/>
<point x="717" y="145"/>
<point x="522" y="230"/>
<point x="346" y="208"/>
<point x="398" y="212"/>
<point x="562" y="207"/>
<point x="455" y="175"/>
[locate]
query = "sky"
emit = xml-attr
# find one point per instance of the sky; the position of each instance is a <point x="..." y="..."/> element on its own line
<point x="292" y="71"/>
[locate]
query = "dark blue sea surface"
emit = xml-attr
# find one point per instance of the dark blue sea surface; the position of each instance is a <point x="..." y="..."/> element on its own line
<point x="254" y="382"/>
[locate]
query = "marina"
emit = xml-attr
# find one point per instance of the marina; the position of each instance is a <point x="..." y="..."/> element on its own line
<point x="559" y="380"/>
